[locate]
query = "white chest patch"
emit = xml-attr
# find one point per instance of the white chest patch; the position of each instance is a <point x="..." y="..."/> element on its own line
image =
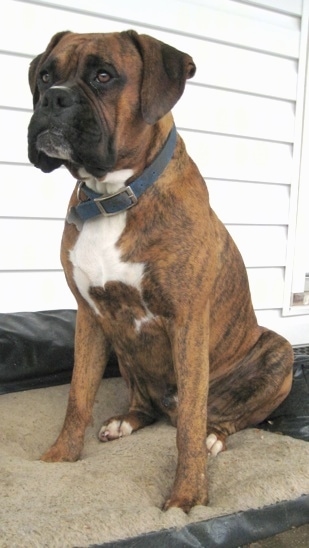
<point x="96" y="258"/>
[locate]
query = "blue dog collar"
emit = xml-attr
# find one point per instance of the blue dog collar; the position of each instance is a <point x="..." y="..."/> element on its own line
<point x="126" y="197"/>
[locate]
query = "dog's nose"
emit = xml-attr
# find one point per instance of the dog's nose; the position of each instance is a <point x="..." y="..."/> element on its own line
<point x="58" y="98"/>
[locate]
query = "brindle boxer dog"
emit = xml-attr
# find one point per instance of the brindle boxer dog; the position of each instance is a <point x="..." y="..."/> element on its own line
<point x="156" y="276"/>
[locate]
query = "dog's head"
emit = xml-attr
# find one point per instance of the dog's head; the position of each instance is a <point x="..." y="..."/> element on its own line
<point x="95" y="94"/>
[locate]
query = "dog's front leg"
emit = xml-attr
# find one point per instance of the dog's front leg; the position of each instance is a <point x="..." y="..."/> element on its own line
<point x="190" y="340"/>
<point x="90" y="361"/>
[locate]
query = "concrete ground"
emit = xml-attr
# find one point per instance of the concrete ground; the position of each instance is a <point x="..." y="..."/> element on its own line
<point x="298" y="537"/>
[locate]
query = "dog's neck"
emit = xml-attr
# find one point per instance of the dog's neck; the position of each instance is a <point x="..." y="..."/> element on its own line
<point x="116" y="197"/>
<point x="112" y="182"/>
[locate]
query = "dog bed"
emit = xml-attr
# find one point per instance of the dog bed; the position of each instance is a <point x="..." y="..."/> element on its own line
<point x="114" y="494"/>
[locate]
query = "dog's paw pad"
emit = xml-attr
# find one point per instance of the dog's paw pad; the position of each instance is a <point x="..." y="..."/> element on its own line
<point x="114" y="430"/>
<point x="214" y="445"/>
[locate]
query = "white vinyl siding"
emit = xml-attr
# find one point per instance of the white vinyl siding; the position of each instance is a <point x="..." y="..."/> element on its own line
<point x="297" y="272"/>
<point x="237" y="117"/>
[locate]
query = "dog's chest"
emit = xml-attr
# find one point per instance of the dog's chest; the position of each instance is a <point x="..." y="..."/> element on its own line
<point x="96" y="258"/>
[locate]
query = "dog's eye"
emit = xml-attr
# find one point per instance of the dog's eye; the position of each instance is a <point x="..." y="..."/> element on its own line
<point x="103" y="77"/>
<point x="45" y="77"/>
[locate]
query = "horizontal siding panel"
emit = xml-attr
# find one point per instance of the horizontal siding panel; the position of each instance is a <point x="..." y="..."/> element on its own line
<point x="244" y="25"/>
<point x="242" y="203"/>
<point x="261" y="246"/>
<point x="237" y="114"/>
<point x="27" y="192"/>
<point x="30" y="244"/>
<point x="229" y="67"/>
<point x="14" y="147"/>
<point x="294" y="329"/>
<point x="273" y="33"/>
<point x="218" y="66"/>
<point x="287" y="6"/>
<point x="200" y="107"/>
<point x="267" y="286"/>
<point x="15" y="91"/>
<point x="49" y="290"/>
<point x="31" y="291"/>
<point x="31" y="21"/>
<point x="217" y="156"/>
<point x="24" y="246"/>
<point x="222" y="157"/>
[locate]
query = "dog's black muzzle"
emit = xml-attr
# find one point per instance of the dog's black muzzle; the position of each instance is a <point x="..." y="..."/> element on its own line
<point x="64" y="129"/>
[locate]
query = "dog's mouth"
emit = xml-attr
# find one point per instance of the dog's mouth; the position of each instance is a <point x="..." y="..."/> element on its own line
<point x="52" y="150"/>
<point x="53" y="144"/>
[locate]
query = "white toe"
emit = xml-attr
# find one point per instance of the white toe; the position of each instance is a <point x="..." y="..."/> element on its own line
<point x="214" y="445"/>
<point x="114" y="430"/>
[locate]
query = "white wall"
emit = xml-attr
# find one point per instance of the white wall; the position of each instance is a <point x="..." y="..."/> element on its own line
<point x="237" y="117"/>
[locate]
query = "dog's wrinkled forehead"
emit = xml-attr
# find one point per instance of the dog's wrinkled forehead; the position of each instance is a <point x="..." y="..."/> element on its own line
<point x="75" y="55"/>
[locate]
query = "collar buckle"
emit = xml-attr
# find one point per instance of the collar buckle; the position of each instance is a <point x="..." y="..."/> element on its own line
<point x="122" y="192"/>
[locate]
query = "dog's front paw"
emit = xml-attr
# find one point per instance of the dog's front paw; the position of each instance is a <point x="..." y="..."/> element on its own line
<point x="185" y="503"/>
<point x="62" y="452"/>
<point x="54" y="454"/>
<point x="190" y="486"/>
<point x="114" y="429"/>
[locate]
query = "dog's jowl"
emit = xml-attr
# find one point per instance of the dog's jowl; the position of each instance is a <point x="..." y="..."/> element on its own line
<point x="155" y="274"/>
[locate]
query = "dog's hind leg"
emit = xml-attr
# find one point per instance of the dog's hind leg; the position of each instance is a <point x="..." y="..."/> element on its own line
<point x="123" y="425"/>
<point x="251" y="391"/>
<point x="140" y="414"/>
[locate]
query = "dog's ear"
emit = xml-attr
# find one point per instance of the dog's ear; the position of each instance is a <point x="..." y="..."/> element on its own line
<point x="37" y="62"/>
<point x="165" y="71"/>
